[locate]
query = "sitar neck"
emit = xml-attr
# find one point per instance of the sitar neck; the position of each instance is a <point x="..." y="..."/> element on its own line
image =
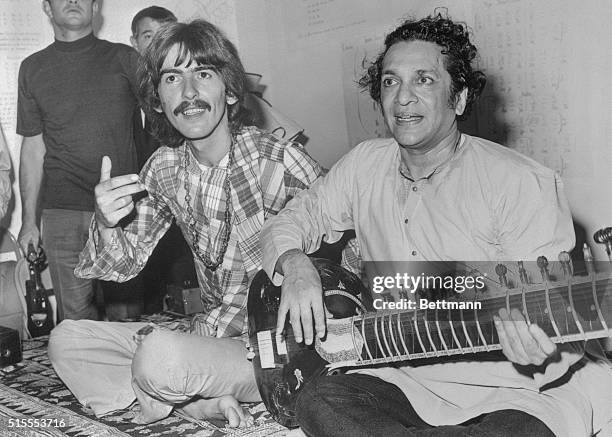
<point x="570" y="311"/>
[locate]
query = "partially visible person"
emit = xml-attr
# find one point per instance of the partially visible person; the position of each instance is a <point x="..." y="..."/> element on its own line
<point x="220" y="179"/>
<point x="146" y="23"/>
<point x="428" y="194"/>
<point x="5" y="175"/>
<point x="69" y="121"/>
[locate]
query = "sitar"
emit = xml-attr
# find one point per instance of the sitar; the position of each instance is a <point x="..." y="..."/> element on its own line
<point x="574" y="308"/>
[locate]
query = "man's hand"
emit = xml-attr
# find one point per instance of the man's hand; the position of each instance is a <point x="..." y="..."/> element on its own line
<point x="301" y="296"/>
<point x="114" y="195"/>
<point x="28" y="234"/>
<point x="522" y="343"/>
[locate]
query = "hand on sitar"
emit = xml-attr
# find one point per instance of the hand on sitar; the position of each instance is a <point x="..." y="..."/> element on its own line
<point x="301" y="297"/>
<point x="522" y="343"/>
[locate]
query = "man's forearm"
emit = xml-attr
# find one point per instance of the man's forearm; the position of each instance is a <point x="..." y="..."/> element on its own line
<point x="275" y="246"/>
<point x="5" y="191"/>
<point x="30" y="177"/>
<point x="5" y="179"/>
<point x="286" y="257"/>
<point x="105" y="235"/>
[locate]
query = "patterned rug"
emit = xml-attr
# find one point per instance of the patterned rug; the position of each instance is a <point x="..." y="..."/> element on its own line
<point x="35" y="402"/>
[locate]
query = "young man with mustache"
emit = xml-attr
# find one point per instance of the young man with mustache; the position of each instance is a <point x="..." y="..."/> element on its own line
<point x="220" y="179"/>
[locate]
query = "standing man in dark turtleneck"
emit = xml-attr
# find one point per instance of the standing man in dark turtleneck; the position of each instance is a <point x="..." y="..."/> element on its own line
<point x="77" y="100"/>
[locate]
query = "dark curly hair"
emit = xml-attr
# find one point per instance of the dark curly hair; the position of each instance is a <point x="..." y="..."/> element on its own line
<point x="456" y="46"/>
<point x="204" y="44"/>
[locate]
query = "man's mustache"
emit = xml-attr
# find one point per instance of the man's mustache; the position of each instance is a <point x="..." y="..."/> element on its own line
<point x="190" y="105"/>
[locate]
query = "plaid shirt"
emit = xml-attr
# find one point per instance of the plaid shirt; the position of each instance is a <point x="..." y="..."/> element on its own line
<point x="266" y="173"/>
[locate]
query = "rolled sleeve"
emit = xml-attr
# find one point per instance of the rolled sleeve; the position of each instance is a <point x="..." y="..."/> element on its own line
<point x="114" y="261"/>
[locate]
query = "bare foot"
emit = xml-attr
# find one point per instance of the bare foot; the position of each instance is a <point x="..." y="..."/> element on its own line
<point x="224" y="408"/>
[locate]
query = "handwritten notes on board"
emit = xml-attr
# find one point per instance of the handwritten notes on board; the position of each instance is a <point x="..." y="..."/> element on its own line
<point x="525" y="50"/>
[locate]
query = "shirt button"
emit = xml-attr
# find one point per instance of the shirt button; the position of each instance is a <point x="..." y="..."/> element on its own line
<point x="414" y="188"/>
<point x="406" y="221"/>
<point x="414" y="253"/>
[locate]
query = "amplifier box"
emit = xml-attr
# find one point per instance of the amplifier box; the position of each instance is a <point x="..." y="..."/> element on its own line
<point x="10" y="347"/>
<point x="183" y="300"/>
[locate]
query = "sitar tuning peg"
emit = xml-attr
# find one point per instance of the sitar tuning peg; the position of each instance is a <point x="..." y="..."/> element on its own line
<point x="566" y="263"/>
<point x="543" y="266"/>
<point x="604" y="236"/>
<point x="501" y="271"/>
<point x="522" y="273"/>
<point x="588" y="259"/>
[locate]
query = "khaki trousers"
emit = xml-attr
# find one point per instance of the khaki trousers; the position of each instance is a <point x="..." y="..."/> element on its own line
<point x="106" y="370"/>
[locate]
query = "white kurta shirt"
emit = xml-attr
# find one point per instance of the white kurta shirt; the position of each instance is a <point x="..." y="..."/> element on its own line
<point x="486" y="203"/>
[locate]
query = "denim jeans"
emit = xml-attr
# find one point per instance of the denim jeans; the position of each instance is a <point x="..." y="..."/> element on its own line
<point x="64" y="234"/>
<point x="362" y="405"/>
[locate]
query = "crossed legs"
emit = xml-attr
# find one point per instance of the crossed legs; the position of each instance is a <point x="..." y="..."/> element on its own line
<point x="101" y="363"/>
<point x="205" y="376"/>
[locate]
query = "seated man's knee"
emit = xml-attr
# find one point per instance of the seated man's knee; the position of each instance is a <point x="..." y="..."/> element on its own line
<point x="62" y="340"/>
<point x="154" y="357"/>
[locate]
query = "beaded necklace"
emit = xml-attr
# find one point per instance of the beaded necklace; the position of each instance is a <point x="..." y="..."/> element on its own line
<point x="206" y="257"/>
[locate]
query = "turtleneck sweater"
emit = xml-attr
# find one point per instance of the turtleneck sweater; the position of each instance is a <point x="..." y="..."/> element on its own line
<point x="81" y="96"/>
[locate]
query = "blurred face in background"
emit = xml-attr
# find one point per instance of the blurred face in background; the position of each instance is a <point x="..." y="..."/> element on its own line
<point x="145" y="31"/>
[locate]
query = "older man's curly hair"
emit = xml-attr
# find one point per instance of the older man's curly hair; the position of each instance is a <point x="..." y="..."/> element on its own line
<point x="201" y="43"/>
<point x="459" y="52"/>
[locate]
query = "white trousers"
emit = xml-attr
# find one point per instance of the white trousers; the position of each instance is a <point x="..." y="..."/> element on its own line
<point x="106" y="370"/>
